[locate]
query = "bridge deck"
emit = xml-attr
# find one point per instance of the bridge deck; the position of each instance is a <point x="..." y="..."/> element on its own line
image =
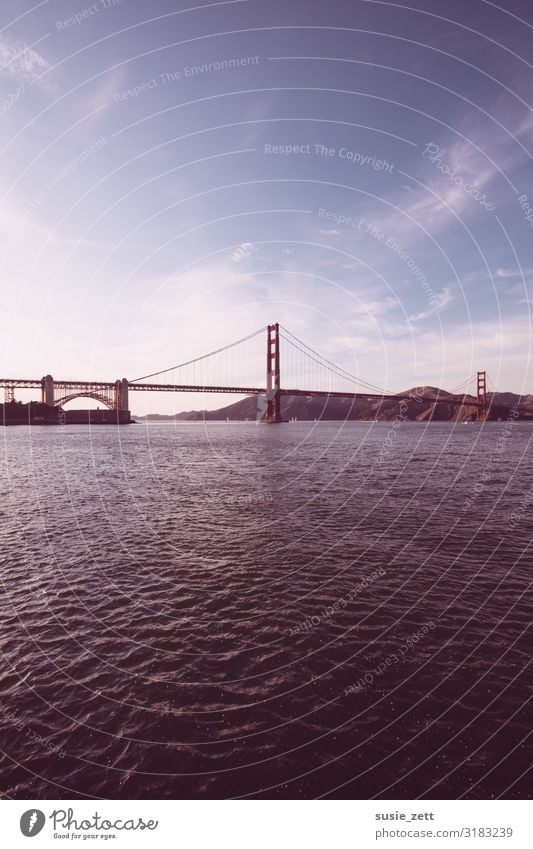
<point x="95" y="385"/>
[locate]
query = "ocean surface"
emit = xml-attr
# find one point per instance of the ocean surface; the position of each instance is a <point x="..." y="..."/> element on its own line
<point x="293" y="611"/>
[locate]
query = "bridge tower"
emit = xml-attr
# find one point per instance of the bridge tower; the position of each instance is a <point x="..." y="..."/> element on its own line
<point x="273" y="411"/>
<point x="482" y="406"/>
<point x="121" y="401"/>
<point x="47" y="390"/>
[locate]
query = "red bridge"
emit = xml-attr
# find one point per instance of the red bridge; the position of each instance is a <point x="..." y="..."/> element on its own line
<point x="312" y="369"/>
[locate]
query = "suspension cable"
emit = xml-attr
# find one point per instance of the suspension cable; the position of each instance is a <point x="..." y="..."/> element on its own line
<point x="336" y="372"/>
<point x="491" y="385"/>
<point x="340" y="372"/>
<point x="203" y="357"/>
<point x="456" y="389"/>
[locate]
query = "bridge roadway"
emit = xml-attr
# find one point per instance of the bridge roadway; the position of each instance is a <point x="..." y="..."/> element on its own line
<point x="81" y="386"/>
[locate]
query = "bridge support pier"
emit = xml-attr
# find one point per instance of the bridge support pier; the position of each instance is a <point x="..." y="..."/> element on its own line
<point x="482" y="406"/>
<point x="121" y="401"/>
<point x="121" y="394"/>
<point x="273" y="398"/>
<point x="47" y="390"/>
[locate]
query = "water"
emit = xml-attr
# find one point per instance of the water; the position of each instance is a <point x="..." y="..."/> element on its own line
<point x="287" y="611"/>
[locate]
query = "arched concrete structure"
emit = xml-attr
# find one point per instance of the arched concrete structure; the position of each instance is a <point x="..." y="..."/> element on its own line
<point x="94" y="395"/>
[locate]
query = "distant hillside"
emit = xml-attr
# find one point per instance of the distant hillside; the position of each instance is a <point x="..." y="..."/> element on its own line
<point x="362" y="409"/>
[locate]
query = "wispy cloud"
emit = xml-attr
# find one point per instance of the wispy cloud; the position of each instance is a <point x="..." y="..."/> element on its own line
<point x="439" y="301"/>
<point x="459" y="179"/>
<point x="243" y="252"/>
<point x="23" y="62"/>
<point x="513" y="273"/>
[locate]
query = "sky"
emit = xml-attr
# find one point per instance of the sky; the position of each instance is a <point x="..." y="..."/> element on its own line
<point x="176" y="175"/>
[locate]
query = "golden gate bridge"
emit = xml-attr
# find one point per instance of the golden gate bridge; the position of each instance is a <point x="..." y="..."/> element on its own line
<point x="314" y="376"/>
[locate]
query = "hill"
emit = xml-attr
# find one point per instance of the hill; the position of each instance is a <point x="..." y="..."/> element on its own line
<point x="360" y="409"/>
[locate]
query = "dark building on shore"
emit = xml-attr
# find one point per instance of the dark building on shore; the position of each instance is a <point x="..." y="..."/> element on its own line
<point x="36" y="413"/>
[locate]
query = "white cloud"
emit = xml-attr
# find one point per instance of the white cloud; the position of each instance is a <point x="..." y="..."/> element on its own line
<point x="243" y="252"/>
<point x="439" y="301"/>
<point x="434" y="197"/>
<point x="513" y="273"/>
<point x="505" y="272"/>
<point x="22" y="61"/>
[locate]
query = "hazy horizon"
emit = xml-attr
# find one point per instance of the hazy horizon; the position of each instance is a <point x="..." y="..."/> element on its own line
<point x="177" y="179"/>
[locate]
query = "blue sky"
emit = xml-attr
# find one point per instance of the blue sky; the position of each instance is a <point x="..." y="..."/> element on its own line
<point x="176" y="175"/>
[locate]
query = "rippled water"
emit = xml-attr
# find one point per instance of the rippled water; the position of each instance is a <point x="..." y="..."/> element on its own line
<point x="280" y="611"/>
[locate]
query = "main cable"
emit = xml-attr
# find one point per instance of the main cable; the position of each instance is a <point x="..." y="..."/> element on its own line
<point x="337" y="370"/>
<point x="203" y="357"/>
